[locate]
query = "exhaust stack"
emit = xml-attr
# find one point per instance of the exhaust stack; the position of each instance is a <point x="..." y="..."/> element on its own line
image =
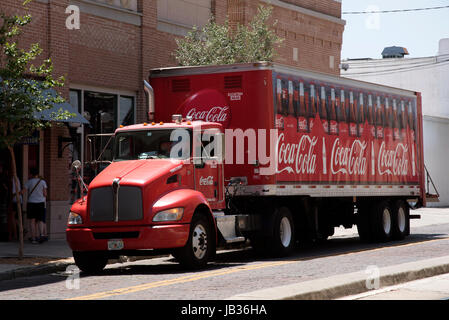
<point x="150" y="97"/>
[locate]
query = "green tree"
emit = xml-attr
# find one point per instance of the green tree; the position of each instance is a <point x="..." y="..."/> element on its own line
<point x="24" y="93"/>
<point x="220" y="44"/>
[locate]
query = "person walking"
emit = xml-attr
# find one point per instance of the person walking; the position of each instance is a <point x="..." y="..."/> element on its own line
<point x="37" y="194"/>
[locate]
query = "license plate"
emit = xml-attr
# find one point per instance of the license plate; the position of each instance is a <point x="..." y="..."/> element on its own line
<point x="115" y="245"/>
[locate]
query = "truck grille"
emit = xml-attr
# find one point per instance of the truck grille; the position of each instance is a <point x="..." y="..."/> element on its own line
<point x="129" y="204"/>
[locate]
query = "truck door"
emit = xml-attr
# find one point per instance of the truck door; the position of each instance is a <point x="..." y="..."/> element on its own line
<point x="209" y="168"/>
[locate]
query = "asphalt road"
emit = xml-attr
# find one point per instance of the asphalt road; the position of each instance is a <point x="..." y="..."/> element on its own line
<point x="237" y="271"/>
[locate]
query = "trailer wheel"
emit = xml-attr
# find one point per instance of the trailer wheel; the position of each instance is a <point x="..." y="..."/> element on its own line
<point x="401" y="220"/>
<point x="364" y="223"/>
<point x="382" y="222"/>
<point x="282" y="241"/>
<point x="195" y="254"/>
<point x="90" y="262"/>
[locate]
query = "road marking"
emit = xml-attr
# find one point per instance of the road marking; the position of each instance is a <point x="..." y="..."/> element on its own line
<point x="190" y="278"/>
<point x="150" y="285"/>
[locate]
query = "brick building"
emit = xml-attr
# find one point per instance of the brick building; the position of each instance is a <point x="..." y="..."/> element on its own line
<point x="119" y="41"/>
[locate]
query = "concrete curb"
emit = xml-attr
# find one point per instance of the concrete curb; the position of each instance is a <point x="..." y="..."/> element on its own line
<point x="351" y="283"/>
<point x="30" y="271"/>
<point x="58" y="266"/>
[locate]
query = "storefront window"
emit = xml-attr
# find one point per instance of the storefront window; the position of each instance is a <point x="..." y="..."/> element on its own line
<point x="92" y="143"/>
<point x="126" y="115"/>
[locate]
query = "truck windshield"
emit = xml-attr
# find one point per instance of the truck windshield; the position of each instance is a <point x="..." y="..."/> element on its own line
<point x="153" y="144"/>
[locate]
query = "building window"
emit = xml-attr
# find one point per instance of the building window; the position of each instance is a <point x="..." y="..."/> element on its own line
<point x="105" y="111"/>
<point x="179" y="16"/>
<point x="123" y="4"/>
<point x="126" y="112"/>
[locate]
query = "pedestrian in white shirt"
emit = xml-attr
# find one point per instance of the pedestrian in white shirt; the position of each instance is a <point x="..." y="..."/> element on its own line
<point x="37" y="193"/>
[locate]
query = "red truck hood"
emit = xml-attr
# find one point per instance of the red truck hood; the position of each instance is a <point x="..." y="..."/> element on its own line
<point x="134" y="172"/>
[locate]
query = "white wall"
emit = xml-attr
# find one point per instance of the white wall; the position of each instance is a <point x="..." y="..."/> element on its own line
<point x="430" y="76"/>
<point x="436" y="156"/>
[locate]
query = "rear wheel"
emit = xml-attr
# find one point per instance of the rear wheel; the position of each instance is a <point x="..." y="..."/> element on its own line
<point x="90" y="262"/>
<point x="401" y="220"/>
<point x="382" y="222"/>
<point x="198" y="249"/>
<point x="282" y="241"/>
<point x="375" y="221"/>
<point x="278" y="238"/>
<point x="364" y="223"/>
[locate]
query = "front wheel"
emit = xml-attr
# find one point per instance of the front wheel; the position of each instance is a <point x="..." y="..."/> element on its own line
<point x="199" y="247"/>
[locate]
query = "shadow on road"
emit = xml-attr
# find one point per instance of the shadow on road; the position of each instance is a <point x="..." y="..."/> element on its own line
<point x="226" y="259"/>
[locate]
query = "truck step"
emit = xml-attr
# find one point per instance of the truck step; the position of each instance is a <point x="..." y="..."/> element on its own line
<point x="228" y="228"/>
<point x="235" y="240"/>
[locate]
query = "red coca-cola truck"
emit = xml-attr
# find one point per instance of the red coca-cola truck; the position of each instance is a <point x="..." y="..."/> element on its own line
<point x="294" y="154"/>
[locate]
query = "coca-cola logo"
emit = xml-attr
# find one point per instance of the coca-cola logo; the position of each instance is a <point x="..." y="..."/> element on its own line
<point x="392" y="162"/>
<point x="207" y="181"/>
<point x="208" y="105"/>
<point x="215" y="114"/>
<point x="349" y="160"/>
<point x="297" y="157"/>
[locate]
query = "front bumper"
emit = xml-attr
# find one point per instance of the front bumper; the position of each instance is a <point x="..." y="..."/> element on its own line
<point x="142" y="237"/>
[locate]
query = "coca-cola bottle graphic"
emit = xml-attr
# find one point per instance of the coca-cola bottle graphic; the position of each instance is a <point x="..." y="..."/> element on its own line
<point x="342" y="113"/>
<point x="290" y="121"/>
<point x="411" y="120"/>
<point x="279" y="117"/>
<point x="303" y="110"/>
<point x="323" y="110"/>
<point x="290" y="109"/>
<point x="379" y="119"/>
<point x="396" y="124"/>
<point x="313" y="106"/>
<point x="388" y="129"/>
<point x="333" y="119"/>
<point x="296" y="98"/>
<point x="371" y="117"/>
<point x="404" y="120"/>
<point x="352" y="116"/>
<point x="284" y="97"/>
<point x="412" y="128"/>
<point x="361" y="115"/>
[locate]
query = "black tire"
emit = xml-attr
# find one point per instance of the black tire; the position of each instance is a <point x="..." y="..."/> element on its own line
<point x="401" y="220"/>
<point x="199" y="247"/>
<point x="363" y="222"/>
<point x="382" y="222"/>
<point x="90" y="262"/>
<point x="282" y="241"/>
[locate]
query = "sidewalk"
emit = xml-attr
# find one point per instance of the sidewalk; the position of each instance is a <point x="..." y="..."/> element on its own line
<point x="50" y="256"/>
<point x="345" y="285"/>
<point x="433" y="288"/>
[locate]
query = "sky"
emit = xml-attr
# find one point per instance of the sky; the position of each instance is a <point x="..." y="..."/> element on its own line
<point x="366" y="35"/>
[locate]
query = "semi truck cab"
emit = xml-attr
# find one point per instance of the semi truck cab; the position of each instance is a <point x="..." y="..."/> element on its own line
<point x="159" y="192"/>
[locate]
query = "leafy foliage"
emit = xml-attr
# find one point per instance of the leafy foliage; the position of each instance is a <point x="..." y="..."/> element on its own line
<point x="218" y="44"/>
<point x="24" y="88"/>
<point x="25" y="91"/>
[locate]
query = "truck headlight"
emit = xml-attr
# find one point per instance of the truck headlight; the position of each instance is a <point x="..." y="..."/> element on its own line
<point x="74" y="218"/>
<point x="174" y="214"/>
